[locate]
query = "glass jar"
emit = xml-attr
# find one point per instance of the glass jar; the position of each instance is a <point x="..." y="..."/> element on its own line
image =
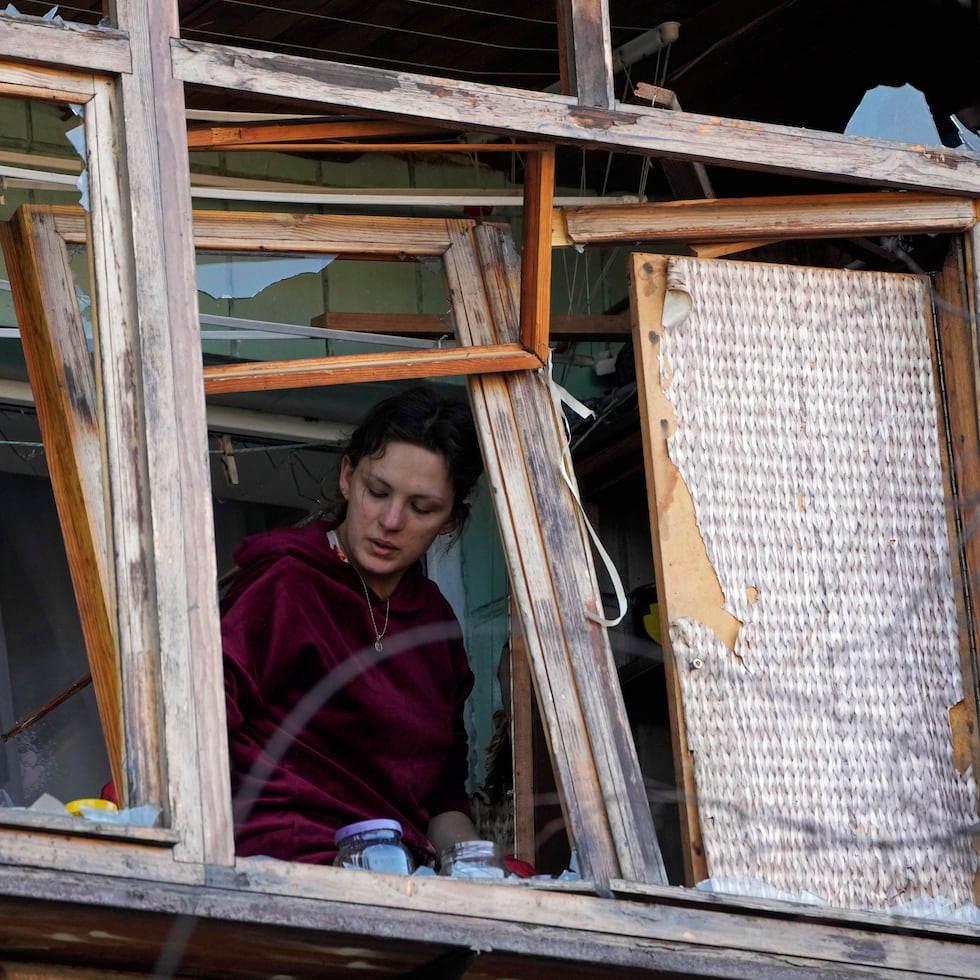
<point x="373" y="845"/>
<point x="472" y="859"/>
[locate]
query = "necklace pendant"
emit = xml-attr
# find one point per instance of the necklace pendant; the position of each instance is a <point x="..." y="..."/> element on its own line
<point x="377" y="645"/>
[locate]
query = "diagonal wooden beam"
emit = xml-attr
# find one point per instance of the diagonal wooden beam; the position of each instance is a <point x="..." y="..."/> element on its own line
<point x="552" y="574"/>
<point x="537" y="115"/>
<point x="63" y="383"/>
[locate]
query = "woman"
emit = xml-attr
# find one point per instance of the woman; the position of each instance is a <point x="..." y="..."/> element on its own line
<point x="343" y="603"/>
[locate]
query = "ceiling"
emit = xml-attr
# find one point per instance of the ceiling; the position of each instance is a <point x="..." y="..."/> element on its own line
<point x="797" y="62"/>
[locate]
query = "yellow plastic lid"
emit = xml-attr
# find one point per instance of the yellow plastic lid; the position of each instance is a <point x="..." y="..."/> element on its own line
<point x="75" y="806"/>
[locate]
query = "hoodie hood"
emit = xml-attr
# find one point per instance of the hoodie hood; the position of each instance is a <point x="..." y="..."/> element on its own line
<point x="309" y="545"/>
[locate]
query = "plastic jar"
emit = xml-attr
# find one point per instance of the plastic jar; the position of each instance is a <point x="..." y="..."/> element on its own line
<point x="472" y="859"/>
<point x="373" y="845"/>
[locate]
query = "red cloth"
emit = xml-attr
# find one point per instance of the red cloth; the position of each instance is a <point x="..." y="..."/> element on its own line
<point x="519" y="868"/>
<point x="391" y="742"/>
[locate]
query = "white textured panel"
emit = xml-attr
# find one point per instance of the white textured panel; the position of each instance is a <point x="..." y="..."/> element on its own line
<point x="807" y="435"/>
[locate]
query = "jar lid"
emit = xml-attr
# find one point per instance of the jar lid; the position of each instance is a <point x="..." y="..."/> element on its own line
<point x="470" y="849"/>
<point x="361" y="826"/>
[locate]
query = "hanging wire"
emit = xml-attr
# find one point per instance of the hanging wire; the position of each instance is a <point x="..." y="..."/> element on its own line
<point x="307" y="51"/>
<point x="388" y="28"/>
<point x="484" y="13"/>
<point x="17" y="444"/>
<point x="295" y="460"/>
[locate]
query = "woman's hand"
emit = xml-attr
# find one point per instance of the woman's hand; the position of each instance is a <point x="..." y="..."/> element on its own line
<point x="450" y="828"/>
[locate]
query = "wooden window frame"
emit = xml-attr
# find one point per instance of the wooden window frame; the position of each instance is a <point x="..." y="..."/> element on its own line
<point x="550" y="564"/>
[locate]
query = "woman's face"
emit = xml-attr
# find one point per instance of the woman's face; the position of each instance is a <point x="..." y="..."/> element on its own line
<point x="398" y="502"/>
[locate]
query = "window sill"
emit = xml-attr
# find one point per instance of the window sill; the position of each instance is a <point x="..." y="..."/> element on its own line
<point x="14" y="820"/>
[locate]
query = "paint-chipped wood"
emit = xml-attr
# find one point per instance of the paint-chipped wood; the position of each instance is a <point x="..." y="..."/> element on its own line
<point x="261" y="917"/>
<point x="164" y="528"/>
<point x="623" y="128"/>
<point x="27" y="81"/>
<point x="114" y="304"/>
<point x="586" y="51"/>
<point x="62" y="43"/>
<point x="554" y="582"/>
<point x="47" y="824"/>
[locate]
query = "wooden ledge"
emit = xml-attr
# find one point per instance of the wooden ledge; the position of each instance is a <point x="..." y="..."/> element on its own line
<point x="12" y="820"/>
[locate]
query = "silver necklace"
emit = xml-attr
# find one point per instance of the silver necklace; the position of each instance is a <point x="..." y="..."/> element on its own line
<point x="374" y="624"/>
<point x="367" y="598"/>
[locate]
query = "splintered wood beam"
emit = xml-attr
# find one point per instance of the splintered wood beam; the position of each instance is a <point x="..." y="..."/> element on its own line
<point x="581" y="326"/>
<point x="315" y="372"/>
<point x="63" y="384"/>
<point x="551" y="571"/>
<point x="521" y="536"/>
<point x="539" y="189"/>
<point x="769" y="218"/>
<point x="619" y="128"/>
<point x="584" y="39"/>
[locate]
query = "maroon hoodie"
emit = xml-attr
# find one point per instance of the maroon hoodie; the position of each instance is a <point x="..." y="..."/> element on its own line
<point x="389" y="741"/>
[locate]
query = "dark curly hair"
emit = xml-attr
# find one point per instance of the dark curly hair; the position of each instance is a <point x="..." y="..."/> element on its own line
<point x="421" y="416"/>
